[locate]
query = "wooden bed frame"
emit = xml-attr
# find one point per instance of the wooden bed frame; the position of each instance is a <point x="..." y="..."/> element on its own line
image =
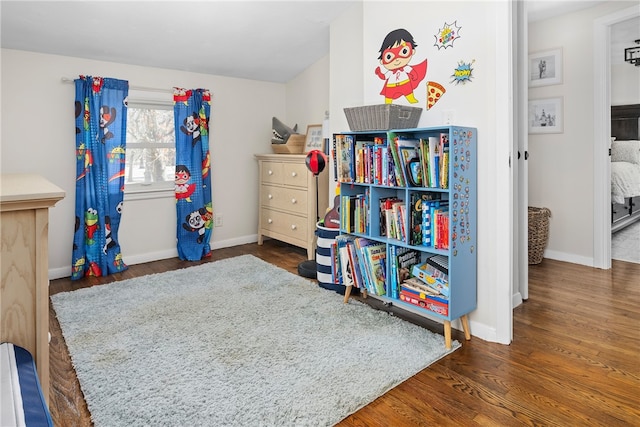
<point x="25" y="200"/>
<point x="625" y="125"/>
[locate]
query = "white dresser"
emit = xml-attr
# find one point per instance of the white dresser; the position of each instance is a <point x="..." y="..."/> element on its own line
<point x="25" y="200"/>
<point x="288" y="200"/>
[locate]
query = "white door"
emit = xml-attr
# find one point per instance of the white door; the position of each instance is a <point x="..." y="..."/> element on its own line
<point x="519" y="156"/>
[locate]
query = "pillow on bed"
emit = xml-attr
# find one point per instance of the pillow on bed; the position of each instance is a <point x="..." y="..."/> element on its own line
<point x="625" y="151"/>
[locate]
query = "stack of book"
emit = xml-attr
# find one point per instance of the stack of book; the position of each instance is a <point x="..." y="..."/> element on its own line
<point x="429" y="286"/>
<point x="354" y="213"/>
<point x="392" y="218"/>
<point x="401" y="262"/>
<point x="429" y="221"/>
<point x="361" y="263"/>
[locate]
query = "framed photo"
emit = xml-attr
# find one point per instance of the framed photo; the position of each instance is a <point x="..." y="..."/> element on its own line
<point x="545" y="68"/>
<point x="314" y="140"/>
<point x="545" y="115"/>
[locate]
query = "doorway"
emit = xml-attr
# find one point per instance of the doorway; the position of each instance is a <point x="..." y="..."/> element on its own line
<point x="602" y="132"/>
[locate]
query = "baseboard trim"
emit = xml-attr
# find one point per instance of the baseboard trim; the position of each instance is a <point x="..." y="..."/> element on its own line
<point x="572" y="258"/>
<point x="133" y="259"/>
<point x="243" y="240"/>
<point x="516" y="299"/>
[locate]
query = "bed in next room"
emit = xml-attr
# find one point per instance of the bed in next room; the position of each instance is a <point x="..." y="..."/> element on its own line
<point x="625" y="165"/>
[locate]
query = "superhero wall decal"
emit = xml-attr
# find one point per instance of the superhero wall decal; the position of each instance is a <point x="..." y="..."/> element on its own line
<point x="401" y="78"/>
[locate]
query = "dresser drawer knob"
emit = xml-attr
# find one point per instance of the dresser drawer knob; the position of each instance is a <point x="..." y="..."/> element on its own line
<point x="270" y="172"/>
<point x="270" y="196"/>
<point x="294" y="174"/>
<point x="293" y="226"/>
<point x="294" y="201"/>
<point x="270" y="221"/>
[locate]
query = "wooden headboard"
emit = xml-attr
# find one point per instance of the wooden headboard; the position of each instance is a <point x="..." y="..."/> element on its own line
<point x="625" y="122"/>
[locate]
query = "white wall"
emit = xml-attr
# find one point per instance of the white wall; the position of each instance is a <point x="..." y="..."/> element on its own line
<point x="38" y="137"/>
<point x="483" y="103"/>
<point x="561" y="165"/>
<point x="308" y="96"/>
<point x="625" y="84"/>
<point x="345" y="73"/>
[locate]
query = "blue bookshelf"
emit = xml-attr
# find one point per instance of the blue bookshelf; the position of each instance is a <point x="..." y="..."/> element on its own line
<point x="360" y="156"/>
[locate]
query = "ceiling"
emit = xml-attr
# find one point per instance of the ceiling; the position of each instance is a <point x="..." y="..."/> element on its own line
<point x="264" y="40"/>
<point x="260" y="40"/>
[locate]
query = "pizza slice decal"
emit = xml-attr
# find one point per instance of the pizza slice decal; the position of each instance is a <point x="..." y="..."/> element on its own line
<point x="434" y="92"/>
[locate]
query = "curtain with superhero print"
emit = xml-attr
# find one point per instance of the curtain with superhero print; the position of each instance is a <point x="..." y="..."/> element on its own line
<point x="193" y="179"/>
<point x="101" y="120"/>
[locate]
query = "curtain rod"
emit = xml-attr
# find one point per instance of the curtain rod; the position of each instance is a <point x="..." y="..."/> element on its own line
<point x="132" y="87"/>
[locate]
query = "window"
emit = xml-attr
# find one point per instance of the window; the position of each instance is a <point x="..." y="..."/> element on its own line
<point x="151" y="147"/>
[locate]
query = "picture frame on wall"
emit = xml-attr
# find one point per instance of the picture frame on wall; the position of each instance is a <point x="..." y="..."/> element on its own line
<point x="546" y="116"/>
<point x="545" y="68"/>
<point x="314" y="139"/>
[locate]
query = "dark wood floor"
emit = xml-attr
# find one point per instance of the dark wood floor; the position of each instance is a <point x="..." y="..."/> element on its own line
<point x="574" y="360"/>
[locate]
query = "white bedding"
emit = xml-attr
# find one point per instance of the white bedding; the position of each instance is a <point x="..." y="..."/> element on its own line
<point x="625" y="181"/>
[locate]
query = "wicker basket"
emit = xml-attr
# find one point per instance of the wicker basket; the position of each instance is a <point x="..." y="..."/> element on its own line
<point x="382" y="117"/>
<point x="538" y="233"/>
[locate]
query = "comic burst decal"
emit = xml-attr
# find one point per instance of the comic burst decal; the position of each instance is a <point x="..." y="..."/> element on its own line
<point x="462" y="73"/>
<point x="446" y="35"/>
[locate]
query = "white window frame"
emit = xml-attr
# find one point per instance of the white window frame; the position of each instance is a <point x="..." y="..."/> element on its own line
<point x="138" y="191"/>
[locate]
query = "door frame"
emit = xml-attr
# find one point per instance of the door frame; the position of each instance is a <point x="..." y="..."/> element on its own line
<point x="519" y="159"/>
<point x="602" y="133"/>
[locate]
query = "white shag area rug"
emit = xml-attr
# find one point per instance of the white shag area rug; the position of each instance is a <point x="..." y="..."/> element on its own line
<point x="236" y="342"/>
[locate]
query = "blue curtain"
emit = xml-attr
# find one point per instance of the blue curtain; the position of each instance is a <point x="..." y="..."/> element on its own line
<point x="101" y="121"/>
<point x="193" y="178"/>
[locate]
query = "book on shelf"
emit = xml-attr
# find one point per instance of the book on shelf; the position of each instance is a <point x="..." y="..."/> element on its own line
<point x="363" y="161"/>
<point x="345" y="158"/>
<point x="441" y="262"/>
<point x="362" y="263"/>
<point x="392" y="214"/>
<point x="424" y="162"/>
<point x="386" y="220"/>
<point x="356" y="268"/>
<point x="397" y="163"/>
<point x="440" y="227"/>
<point x="404" y="151"/>
<point x="416" y="287"/>
<point x="434" y="161"/>
<point x="444" y="160"/>
<point x="410" y="156"/>
<point x="346" y="213"/>
<point x="358" y="244"/>
<point x="435" y="223"/>
<point x="427" y="303"/>
<point x="345" y="264"/>
<point x="432" y="277"/>
<point x="401" y="262"/>
<point x="336" y="271"/>
<point x="391" y="180"/>
<point x="417" y="216"/>
<point x="373" y="257"/>
<point x="354" y="213"/>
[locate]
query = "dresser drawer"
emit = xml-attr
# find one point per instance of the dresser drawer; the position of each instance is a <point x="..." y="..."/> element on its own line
<point x="272" y="173"/>
<point x="285" y="224"/>
<point x="288" y="199"/>
<point x="295" y="174"/>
